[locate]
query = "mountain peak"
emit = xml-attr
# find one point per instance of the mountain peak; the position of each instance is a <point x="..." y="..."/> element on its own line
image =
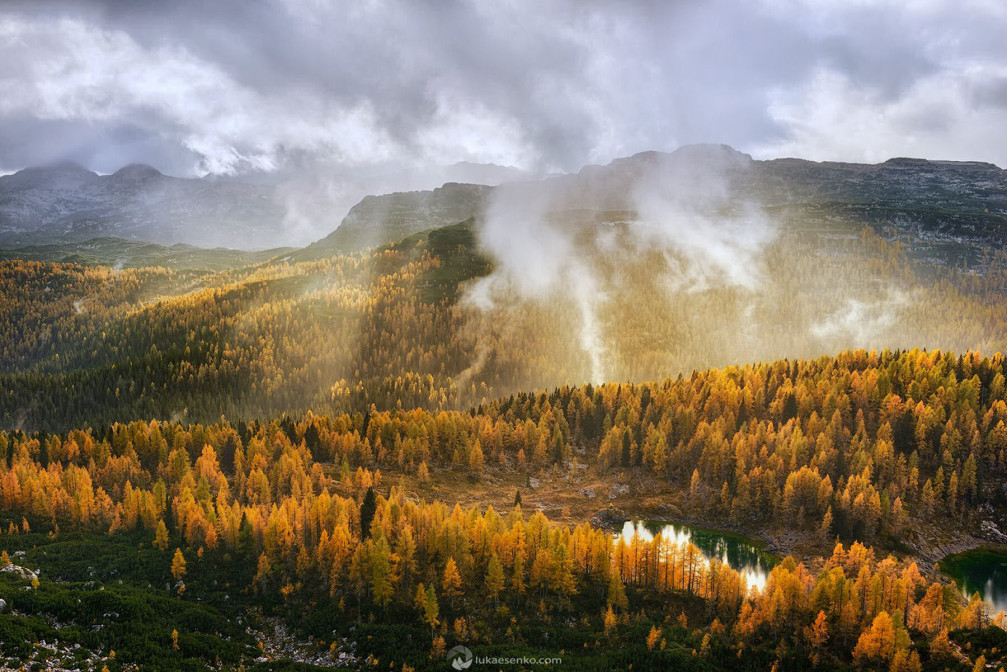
<point x="67" y="167"/>
<point x="137" y="170"/>
<point x="59" y="168"/>
<point x="136" y="174"/>
<point x="711" y="151"/>
<point x="63" y="175"/>
<point x="905" y="162"/>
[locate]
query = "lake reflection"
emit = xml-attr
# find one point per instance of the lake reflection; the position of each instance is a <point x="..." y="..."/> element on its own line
<point x="739" y="553"/>
<point x="980" y="571"/>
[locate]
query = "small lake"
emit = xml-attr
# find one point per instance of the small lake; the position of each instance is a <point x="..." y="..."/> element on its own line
<point x="980" y="570"/>
<point x="740" y="553"/>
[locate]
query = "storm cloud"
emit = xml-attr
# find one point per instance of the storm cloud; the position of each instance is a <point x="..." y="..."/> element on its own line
<point x="388" y="90"/>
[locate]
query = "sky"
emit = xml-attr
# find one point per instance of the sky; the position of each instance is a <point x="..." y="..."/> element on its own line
<point x="357" y="91"/>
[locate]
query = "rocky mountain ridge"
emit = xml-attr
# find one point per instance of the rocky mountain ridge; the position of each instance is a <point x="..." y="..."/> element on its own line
<point x="69" y="203"/>
<point x="945" y="209"/>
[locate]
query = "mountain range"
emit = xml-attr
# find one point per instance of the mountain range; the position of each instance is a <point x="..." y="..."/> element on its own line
<point x="944" y="209"/>
<point x="949" y="211"/>
<point x="68" y="203"/>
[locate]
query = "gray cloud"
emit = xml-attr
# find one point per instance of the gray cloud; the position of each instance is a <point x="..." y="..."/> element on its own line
<point x="309" y="86"/>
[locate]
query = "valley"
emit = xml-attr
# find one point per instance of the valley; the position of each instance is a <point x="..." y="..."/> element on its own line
<point x="616" y="446"/>
<point x="503" y="336"/>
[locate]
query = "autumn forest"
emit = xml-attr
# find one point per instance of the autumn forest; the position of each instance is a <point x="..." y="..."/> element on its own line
<point x="360" y="461"/>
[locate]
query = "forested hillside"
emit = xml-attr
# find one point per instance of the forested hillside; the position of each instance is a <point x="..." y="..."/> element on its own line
<point x="313" y="519"/>
<point x="503" y="336"/>
<point x="312" y="461"/>
<point x="402" y="325"/>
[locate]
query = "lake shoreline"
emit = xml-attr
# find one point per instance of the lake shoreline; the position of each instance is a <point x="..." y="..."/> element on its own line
<point x="742" y="553"/>
<point x="779" y="543"/>
<point x="981" y="569"/>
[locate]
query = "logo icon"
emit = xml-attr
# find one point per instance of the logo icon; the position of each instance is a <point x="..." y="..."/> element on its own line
<point x="460" y="658"/>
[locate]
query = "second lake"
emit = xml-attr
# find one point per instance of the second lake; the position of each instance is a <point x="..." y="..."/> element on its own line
<point x="741" y="554"/>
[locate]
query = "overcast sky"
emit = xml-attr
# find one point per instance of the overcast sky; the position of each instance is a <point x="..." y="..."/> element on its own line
<point x="266" y="86"/>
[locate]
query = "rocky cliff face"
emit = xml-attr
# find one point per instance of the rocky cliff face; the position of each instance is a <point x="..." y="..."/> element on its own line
<point x="945" y="211"/>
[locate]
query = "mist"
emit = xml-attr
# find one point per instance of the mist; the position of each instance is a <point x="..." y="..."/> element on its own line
<point x="562" y="239"/>
<point x="664" y="263"/>
<point x="316" y="199"/>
